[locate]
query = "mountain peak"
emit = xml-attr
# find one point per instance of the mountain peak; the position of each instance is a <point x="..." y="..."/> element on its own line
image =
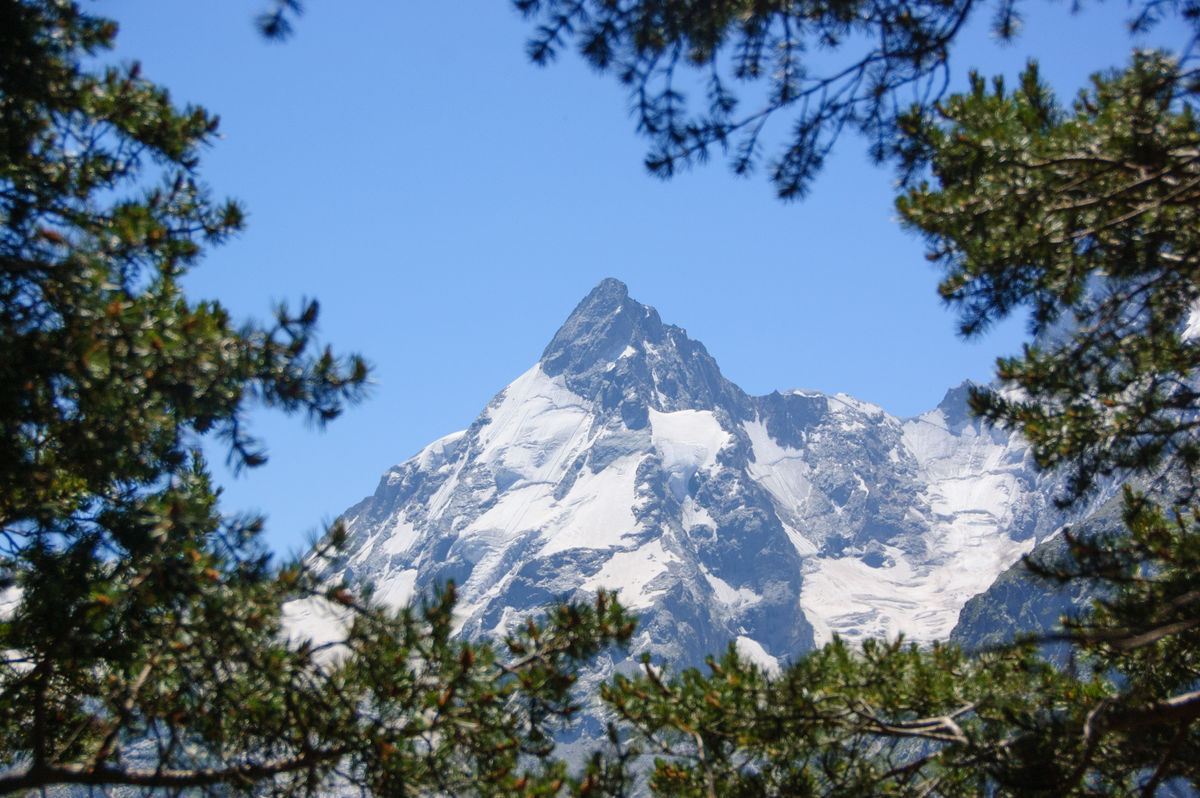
<point x="609" y="292"/>
<point x="626" y="461"/>
<point x="618" y="350"/>
<point x="955" y="407"/>
<point x="599" y="329"/>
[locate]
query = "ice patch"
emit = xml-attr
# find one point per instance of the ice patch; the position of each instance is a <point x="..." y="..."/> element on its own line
<point x="630" y="573"/>
<point x="751" y="650"/>
<point x="437" y="453"/>
<point x="396" y="589"/>
<point x="401" y="538"/>
<point x="687" y="441"/>
<point x="737" y="599"/>
<point x="598" y="508"/>
<point x="693" y="515"/>
<point x="536" y="430"/>
<point x="784" y="473"/>
<point x="848" y="597"/>
<point x="536" y="427"/>
<point x="365" y="550"/>
<point x="10" y="597"/>
<point x="1192" y="331"/>
<point x="318" y="622"/>
<point x="848" y="402"/>
<point x="766" y="451"/>
<point x="803" y="546"/>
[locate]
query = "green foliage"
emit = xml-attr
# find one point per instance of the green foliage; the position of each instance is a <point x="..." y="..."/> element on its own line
<point x="1090" y="218"/>
<point x="142" y="633"/>
<point x="889" y="719"/>
<point x="1146" y="637"/>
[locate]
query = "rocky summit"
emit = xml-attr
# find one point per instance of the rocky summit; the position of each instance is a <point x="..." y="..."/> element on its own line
<point x="624" y="460"/>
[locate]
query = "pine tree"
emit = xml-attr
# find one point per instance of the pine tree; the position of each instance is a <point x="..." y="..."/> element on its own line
<point x="141" y="631"/>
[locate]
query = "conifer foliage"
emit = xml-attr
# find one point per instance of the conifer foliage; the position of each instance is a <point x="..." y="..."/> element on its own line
<point x="1088" y="216"/>
<point x="141" y="643"/>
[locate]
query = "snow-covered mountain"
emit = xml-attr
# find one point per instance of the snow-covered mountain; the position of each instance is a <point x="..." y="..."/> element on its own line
<point x="624" y="460"/>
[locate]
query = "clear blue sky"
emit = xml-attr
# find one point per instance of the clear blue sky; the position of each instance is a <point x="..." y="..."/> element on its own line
<point x="449" y="204"/>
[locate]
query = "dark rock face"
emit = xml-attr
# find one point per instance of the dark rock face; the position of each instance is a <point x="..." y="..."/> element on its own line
<point x="599" y="329"/>
<point x="790" y="416"/>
